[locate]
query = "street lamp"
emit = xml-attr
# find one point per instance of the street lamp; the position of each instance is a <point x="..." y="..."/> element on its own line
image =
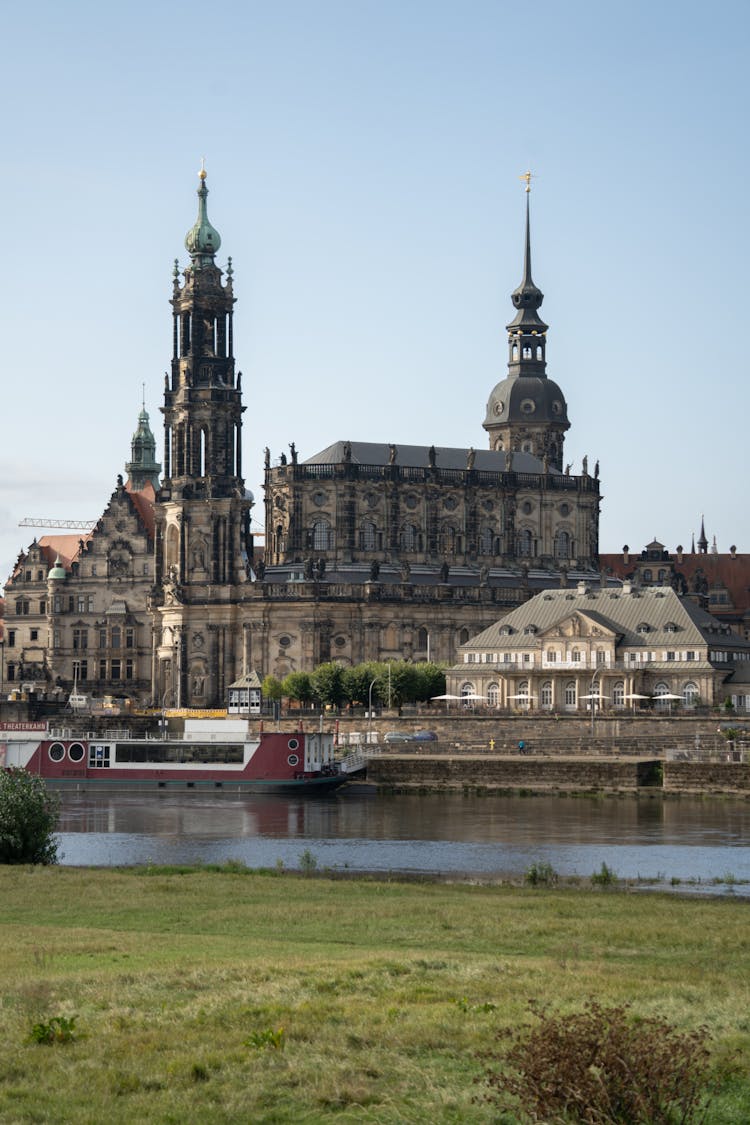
<point x="369" y="711"/>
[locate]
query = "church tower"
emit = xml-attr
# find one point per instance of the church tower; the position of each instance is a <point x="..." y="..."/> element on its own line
<point x="203" y="540"/>
<point x="143" y="468"/>
<point x="527" y="412"/>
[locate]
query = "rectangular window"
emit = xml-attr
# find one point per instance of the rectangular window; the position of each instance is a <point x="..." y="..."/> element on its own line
<point x="130" y="638"/>
<point x="56" y="638"/>
<point x="11" y="638"/>
<point x="102" y="637"/>
<point x="11" y="671"/>
<point x="42" y="606"/>
<point x="98" y="756"/>
<point x="102" y="669"/>
<point x="90" y="603"/>
<point x="83" y="669"/>
<point x="34" y="635"/>
<point x="129" y="668"/>
<point x="601" y="656"/>
<point x="71" y="604"/>
<point x="81" y="603"/>
<point x="115" y="669"/>
<point x="93" y="570"/>
<point x="670" y="656"/>
<point x="551" y="656"/>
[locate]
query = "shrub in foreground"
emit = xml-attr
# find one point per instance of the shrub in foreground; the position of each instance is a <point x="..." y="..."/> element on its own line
<point x="28" y="818"/>
<point x="602" y="1066"/>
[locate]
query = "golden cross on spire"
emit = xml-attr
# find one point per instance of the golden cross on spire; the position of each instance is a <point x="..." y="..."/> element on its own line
<point x="202" y="174"/>
<point x="527" y="176"/>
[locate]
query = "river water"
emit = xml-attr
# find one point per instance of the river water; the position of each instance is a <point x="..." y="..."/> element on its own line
<point x="684" y="838"/>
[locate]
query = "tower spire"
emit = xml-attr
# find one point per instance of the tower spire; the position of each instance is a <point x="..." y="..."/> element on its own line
<point x="527" y="330"/>
<point x="202" y="240"/>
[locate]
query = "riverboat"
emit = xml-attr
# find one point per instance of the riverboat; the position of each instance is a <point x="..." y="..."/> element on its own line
<point x="207" y="754"/>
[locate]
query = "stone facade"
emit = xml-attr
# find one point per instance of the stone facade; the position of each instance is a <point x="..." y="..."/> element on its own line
<point x="77" y="607"/>
<point x="372" y="552"/>
<point x="594" y="648"/>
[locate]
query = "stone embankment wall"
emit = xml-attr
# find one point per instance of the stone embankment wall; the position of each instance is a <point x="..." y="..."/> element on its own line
<point x="490" y="773"/>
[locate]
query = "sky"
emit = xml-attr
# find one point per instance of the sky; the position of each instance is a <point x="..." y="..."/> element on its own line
<point x="363" y="167"/>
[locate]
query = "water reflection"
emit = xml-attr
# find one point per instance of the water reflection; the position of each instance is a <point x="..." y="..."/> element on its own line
<point x="678" y="838"/>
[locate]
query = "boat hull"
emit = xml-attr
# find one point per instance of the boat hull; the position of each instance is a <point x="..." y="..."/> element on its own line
<point x="207" y="756"/>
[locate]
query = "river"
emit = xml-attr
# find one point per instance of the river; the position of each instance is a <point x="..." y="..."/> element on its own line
<point x="678" y="839"/>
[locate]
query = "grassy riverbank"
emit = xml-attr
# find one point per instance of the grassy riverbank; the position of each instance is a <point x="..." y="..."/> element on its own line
<point x="385" y="991"/>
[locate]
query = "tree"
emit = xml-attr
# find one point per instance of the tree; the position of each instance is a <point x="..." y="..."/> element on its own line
<point x="272" y="688"/>
<point x="430" y="680"/>
<point x="28" y="818"/>
<point x="328" y="684"/>
<point x="298" y="686"/>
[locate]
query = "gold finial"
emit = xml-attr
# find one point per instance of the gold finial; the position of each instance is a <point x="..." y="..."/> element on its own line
<point x="202" y="174"/>
<point x="527" y="176"/>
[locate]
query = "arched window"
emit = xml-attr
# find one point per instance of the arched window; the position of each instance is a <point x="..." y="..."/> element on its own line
<point x="525" y="545"/>
<point x="202" y="452"/>
<point x="493" y="695"/>
<point x="447" y="542"/>
<point x="463" y="636"/>
<point x="322" y="539"/>
<point x="562" y="545"/>
<point x="409" y="537"/>
<point x="422" y="637"/>
<point x="368" y="536"/>
<point x="522" y="694"/>
<point x="486" y="538"/>
<point x="690" y="694"/>
<point x="467" y="690"/>
<point x="546" y="699"/>
<point x="571" y="695"/>
<point x="618" y="694"/>
<point x="660" y="691"/>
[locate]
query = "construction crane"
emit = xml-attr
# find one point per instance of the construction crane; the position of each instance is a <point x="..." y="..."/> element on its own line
<point x="73" y="525"/>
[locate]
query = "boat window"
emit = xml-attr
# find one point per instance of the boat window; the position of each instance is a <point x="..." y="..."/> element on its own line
<point x="76" y="752"/>
<point x="293" y="744"/>
<point x="293" y="760"/>
<point x="56" y="752"/>
<point x="98" y="756"/>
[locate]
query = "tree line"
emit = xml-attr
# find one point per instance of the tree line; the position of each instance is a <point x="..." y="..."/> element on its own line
<point x="334" y="685"/>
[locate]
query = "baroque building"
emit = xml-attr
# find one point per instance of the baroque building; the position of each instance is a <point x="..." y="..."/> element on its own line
<point x="610" y="649"/>
<point x="76" y="606"/>
<point x="372" y="551"/>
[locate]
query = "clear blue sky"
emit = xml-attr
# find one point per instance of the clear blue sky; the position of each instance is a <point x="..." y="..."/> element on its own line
<point x="363" y="162"/>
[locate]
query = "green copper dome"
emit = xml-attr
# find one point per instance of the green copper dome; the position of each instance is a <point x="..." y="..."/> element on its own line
<point x="202" y="240"/>
<point x="58" y="570"/>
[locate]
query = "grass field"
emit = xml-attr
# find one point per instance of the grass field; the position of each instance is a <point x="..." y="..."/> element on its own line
<point x="179" y="982"/>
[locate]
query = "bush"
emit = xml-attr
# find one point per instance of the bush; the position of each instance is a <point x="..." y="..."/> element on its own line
<point x="28" y="818"/>
<point x="603" y="1066"/>
<point x="541" y="874"/>
<point x="604" y="877"/>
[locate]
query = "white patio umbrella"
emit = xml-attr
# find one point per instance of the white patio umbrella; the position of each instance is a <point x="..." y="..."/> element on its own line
<point x="593" y="696"/>
<point x="636" y="695"/>
<point x="666" y="695"/>
<point x="445" y="697"/>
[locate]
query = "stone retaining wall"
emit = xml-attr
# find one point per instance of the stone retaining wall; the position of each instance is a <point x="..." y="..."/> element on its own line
<point x="399" y="772"/>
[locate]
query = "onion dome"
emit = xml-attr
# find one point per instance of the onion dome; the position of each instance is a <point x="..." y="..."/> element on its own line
<point x="202" y="240"/>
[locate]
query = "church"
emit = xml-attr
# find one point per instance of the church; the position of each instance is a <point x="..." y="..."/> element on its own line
<point x="372" y="551"/>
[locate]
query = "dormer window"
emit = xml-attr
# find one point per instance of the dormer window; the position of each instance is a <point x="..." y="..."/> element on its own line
<point x="530" y="630"/>
<point x="643" y="627"/>
<point x="670" y="627"/>
<point x="506" y="630"/>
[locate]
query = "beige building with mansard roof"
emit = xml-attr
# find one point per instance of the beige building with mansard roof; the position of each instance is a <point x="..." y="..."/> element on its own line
<point x="569" y="649"/>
